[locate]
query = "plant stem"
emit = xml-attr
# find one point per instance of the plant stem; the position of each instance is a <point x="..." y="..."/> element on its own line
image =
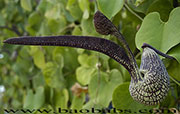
<point x="136" y="73"/>
<point x="130" y="10"/>
<point x="13" y="29"/>
<point x="175" y="81"/>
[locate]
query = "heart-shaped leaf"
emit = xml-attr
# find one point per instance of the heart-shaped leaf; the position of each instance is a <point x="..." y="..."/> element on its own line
<point x="110" y="8"/>
<point x="87" y="69"/>
<point x="161" y="35"/>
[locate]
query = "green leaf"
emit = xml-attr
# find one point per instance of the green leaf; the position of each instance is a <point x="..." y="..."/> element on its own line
<point x="86" y="14"/>
<point x="88" y="27"/>
<point x="44" y="29"/>
<point x="49" y="94"/>
<point x="103" y="60"/>
<point x="87" y="61"/>
<point x="85" y="7"/>
<point x="34" y="23"/>
<point x="34" y="100"/>
<point x="39" y="97"/>
<point x="68" y="16"/>
<point x="38" y="57"/>
<point x="122" y="100"/>
<point x="92" y="104"/>
<point x="170" y="98"/>
<point x="78" y="101"/>
<point x="2" y="4"/>
<point x="16" y="103"/>
<point x="59" y="60"/>
<point x="70" y="57"/>
<point x="76" y="31"/>
<point x="82" y="59"/>
<point x="163" y="7"/>
<point x="110" y="8"/>
<point x="23" y="66"/>
<point x="175" y="52"/>
<point x="102" y="85"/>
<point x="173" y="69"/>
<point x="38" y="80"/>
<point x="74" y="9"/>
<point x="56" y="26"/>
<point x="54" y="12"/>
<point x="42" y="6"/>
<point x="34" y="18"/>
<point x="61" y="98"/>
<point x="129" y="34"/>
<point x="87" y="68"/>
<point x="143" y="7"/>
<point x="28" y="103"/>
<point x="2" y="20"/>
<point x="53" y="75"/>
<point x="161" y="35"/>
<point x="26" y="4"/>
<point x="84" y="74"/>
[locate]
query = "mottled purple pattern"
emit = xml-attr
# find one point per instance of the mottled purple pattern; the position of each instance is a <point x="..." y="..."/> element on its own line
<point x="157" y="51"/>
<point x="103" y="25"/>
<point x="86" y="42"/>
<point x="154" y="87"/>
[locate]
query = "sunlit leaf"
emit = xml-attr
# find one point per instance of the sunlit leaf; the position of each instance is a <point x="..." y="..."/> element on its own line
<point x="85" y="7"/>
<point x="88" y="27"/>
<point x="38" y="57"/>
<point x="76" y="31"/>
<point x="110" y="9"/>
<point x="88" y="61"/>
<point x="53" y="13"/>
<point x="34" y="100"/>
<point x="78" y="101"/>
<point x="53" y="75"/>
<point x="74" y="9"/>
<point x="61" y="98"/>
<point x="84" y="74"/>
<point x="26" y="4"/>
<point x="161" y="35"/>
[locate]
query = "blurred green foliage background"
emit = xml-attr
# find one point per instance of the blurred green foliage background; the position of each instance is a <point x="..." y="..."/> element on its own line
<point x="33" y="77"/>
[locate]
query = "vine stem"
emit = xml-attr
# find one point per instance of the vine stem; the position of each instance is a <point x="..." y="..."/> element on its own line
<point x="174" y="80"/>
<point x="99" y="77"/>
<point x="134" y="13"/>
<point x="129" y="53"/>
<point x="13" y="29"/>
